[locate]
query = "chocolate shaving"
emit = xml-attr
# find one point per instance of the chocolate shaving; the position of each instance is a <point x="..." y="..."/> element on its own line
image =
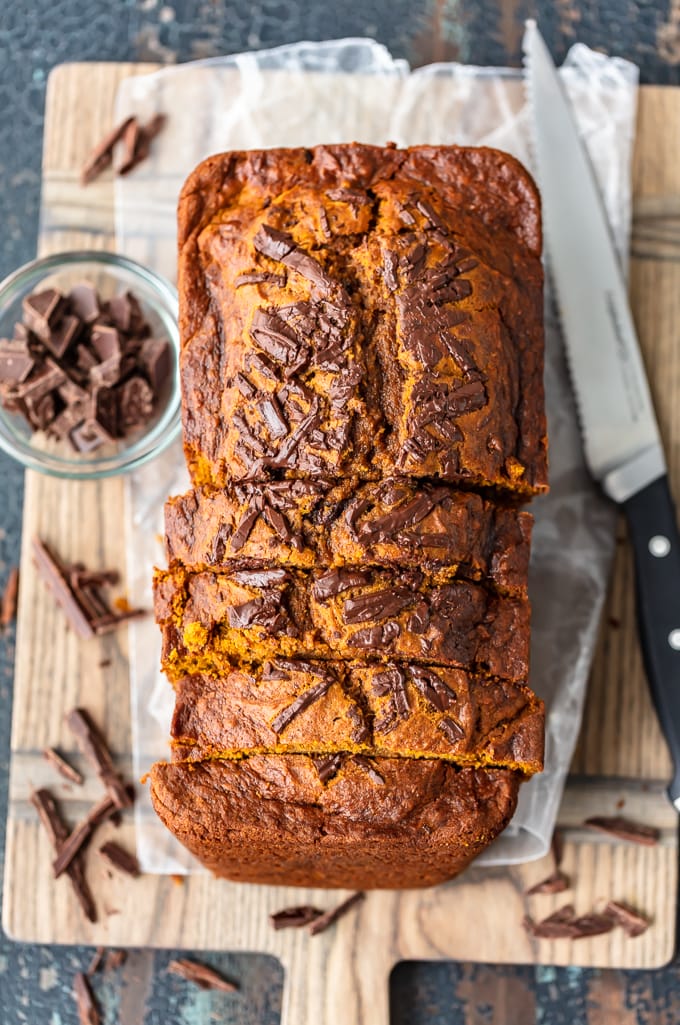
<point x="295" y="917"/>
<point x="201" y="975"/>
<point x="57" y="830"/>
<point x="556" y="882"/>
<point x="82" y="834"/>
<point x="137" y="139"/>
<point x="328" y="766"/>
<point x="101" y="156"/>
<point x="96" y="961"/>
<point x="564" y="924"/>
<point x="62" y="766"/>
<point x="8" y="607"/>
<point x="328" y="918"/>
<point x="632" y="922"/>
<point x="119" y="858"/>
<point x="285" y="717"/>
<point x="52" y="572"/>
<point x="92" y="745"/>
<point x="625" y="829"/>
<point x="368" y="765"/>
<point x="88" y="1011"/>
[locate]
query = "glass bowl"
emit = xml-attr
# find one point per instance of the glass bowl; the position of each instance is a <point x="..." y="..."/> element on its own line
<point x="111" y="275"/>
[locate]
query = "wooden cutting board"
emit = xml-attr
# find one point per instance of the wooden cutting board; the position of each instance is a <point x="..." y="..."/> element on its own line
<point x="621" y="764"/>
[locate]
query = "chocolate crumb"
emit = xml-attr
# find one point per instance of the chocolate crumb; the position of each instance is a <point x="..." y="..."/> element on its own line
<point x="88" y="1011"/>
<point x="62" y="766"/>
<point x="557" y="882"/>
<point x="119" y="858"/>
<point x="8" y="607"/>
<point x="201" y="975"/>
<point x="328" y="918"/>
<point x="295" y="917"/>
<point x="625" y="829"/>
<point x="632" y="922"/>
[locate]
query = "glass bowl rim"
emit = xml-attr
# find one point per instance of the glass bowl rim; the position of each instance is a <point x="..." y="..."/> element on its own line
<point x="164" y="431"/>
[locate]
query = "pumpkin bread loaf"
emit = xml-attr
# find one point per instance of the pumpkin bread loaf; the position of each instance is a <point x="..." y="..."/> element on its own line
<point x="344" y="614"/>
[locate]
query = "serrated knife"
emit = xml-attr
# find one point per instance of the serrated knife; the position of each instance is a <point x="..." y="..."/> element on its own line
<point x="621" y="437"/>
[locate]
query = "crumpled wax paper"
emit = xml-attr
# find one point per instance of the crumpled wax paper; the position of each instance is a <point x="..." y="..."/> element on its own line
<point x="341" y="91"/>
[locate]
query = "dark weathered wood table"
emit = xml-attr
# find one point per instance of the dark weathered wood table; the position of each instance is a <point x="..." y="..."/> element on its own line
<point x="35" y="982"/>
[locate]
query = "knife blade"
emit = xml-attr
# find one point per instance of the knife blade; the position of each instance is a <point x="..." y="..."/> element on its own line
<point x="621" y="439"/>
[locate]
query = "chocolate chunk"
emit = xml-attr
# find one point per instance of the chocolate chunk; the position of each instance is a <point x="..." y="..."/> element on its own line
<point x="270" y="333"/>
<point x="376" y="605"/>
<point x="432" y="216"/>
<point x="85" y="359"/>
<point x="625" y="829"/>
<point x="201" y="975"/>
<point x="88" y="1011"/>
<point x="353" y="197"/>
<point x="392" y="682"/>
<point x="336" y="581"/>
<point x="309" y="268"/>
<point x="564" y="924"/>
<point x="88" y="436"/>
<point x="329" y="917"/>
<point x="278" y="523"/>
<point x="156" y="359"/>
<point x="63" y="335"/>
<point x="272" y="416"/>
<point x="438" y="693"/>
<point x="368" y="766"/>
<point x="556" y="882"/>
<point x="8" y="605"/>
<point x="94" y="748"/>
<point x="375" y="637"/>
<point x="119" y="858"/>
<point x="260" y="577"/>
<point x="121" y="311"/>
<point x="391" y="262"/>
<point x="57" y="831"/>
<point x="407" y="515"/>
<point x="42" y="380"/>
<point x="105" y="341"/>
<point x="135" y="403"/>
<point x="272" y="243"/>
<point x="328" y="766"/>
<point x="295" y="917"/>
<point x="84" y="302"/>
<point x="243" y="531"/>
<point x="42" y="310"/>
<point x="106" y="374"/>
<point x="63" y="767"/>
<point x="266" y="611"/>
<point x="361" y="732"/>
<point x="101" y="156"/>
<point x="632" y="922"/>
<point x="260" y="278"/>
<point x="302" y="702"/>
<point x="16" y="362"/>
<point x="452" y="730"/>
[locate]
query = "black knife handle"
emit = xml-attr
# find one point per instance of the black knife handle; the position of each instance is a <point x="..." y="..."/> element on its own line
<point x="656" y="544"/>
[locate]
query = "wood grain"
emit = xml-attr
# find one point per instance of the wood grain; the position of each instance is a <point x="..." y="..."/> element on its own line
<point x="341" y="975"/>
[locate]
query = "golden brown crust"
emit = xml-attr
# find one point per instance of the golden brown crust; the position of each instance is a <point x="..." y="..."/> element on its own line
<point x="352" y="310"/>
<point x="270" y="819"/>
<point x="247" y="616"/>
<point x="306" y="524"/>
<point x="325" y="708"/>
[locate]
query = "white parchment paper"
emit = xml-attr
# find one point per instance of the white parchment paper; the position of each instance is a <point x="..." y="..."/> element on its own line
<point x="341" y="91"/>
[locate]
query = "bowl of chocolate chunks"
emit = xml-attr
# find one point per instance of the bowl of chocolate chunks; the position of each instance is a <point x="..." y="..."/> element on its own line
<point x="89" y="347"/>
